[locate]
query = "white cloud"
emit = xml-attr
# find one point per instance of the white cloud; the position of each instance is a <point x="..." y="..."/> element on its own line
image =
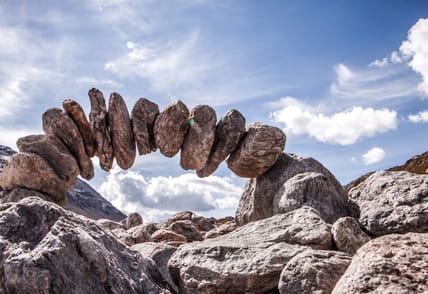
<point x="158" y="197"/>
<point x="421" y="116"/>
<point x="415" y="49"/>
<point x="372" y="156"/>
<point x="344" y="127"/>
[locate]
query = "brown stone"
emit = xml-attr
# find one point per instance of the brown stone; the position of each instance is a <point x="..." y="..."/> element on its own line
<point x="77" y="114"/>
<point x="199" y="138"/>
<point x="134" y="219"/>
<point x="258" y="151"/>
<point x="140" y="234"/>
<point x="221" y="230"/>
<point x="121" y="133"/>
<point x="170" y="127"/>
<point x="53" y="151"/>
<point x="187" y="229"/>
<point x="167" y="236"/>
<point x="99" y="125"/>
<point x="57" y="123"/>
<point x="143" y="117"/>
<point x="229" y="132"/>
<point x="30" y="171"/>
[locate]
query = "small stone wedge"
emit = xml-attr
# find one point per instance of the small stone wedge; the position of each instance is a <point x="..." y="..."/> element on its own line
<point x="121" y="133"/>
<point x="199" y="138"/>
<point x="143" y="117"/>
<point x="170" y="128"/>
<point x="57" y="123"/>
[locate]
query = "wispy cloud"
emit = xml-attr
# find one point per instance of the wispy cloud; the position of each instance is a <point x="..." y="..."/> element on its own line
<point x="373" y="156"/>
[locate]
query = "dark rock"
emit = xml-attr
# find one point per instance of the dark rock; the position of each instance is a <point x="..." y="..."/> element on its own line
<point x="187" y="229"/>
<point x="30" y="171"/>
<point x="53" y="151"/>
<point x="77" y="114"/>
<point x="163" y="235"/>
<point x="143" y="117"/>
<point x="221" y="230"/>
<point x="313" y="271"/>
<point x="134" y="219"/>
<point x="348" y="235"/>
<point x="121" y="133"/>
<point x="57" y="123"/>
<point x="315" y="190"/>
<point x="98" y="118"/>
<point x="45" y="249"/>
<point x="229" y="131"/>
<point x="199" y="138"/>
<point x="160" y="253"/>
<point x="257" y="199"/>
<point x="258" y="151"/>
<point x="392" y="202"/>
<point x="170" y="127"/>
<point x="388" y="264"/>
<point x="18" y="194"/>
<point x="251" y="258"/>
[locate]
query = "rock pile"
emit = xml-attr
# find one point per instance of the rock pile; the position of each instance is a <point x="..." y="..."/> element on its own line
<point x="50" y="163"/>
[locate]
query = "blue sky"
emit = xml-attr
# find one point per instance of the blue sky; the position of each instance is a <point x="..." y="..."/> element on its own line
<point x="346" y="80"/>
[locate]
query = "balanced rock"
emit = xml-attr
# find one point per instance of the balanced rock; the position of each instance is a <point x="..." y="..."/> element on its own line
<point x="54" y="152"/>
<point x="258" y="151"/>
<point x="251" y="258"/>
<point x="229" y="131"/>
<point x="257" y="199"/>
<point x="170" y="127"/>
<point x="98" y="119"/>
<point x="77" y="114"/>
<point x="199" y="138"/>
<point x="392" y="202"/>
<point x="313" y="271"/>
<point x="389" y="264"/>
<point x="57" y="123"/>
<point x="121" y="133"/>
<point x="143" y="117"/>
<point x="348" y="235"/>
<point x="30" y="171"/>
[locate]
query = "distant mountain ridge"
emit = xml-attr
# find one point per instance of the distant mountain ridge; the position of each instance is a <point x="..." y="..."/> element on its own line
<point x="82" y="199"/>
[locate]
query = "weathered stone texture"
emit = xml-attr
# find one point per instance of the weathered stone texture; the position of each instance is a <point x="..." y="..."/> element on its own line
<point x="348" y="235"/>
<point x="143" y="117"/>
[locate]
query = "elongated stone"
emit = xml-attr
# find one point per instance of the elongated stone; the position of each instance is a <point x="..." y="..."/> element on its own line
<point x="54" y="152"/>
<point x="30" y="171"/>
<point x="170" y="128"/>
<point x="143" y="117"/>
<point x="99" y="126"/>
<point x="121" y="131"/>
<point x="77" y="114"/>
<point x="229" y="131"/>
<point x="57" y="123"/>
<point x="199" y="137"/>
<point x="258" y="151"/>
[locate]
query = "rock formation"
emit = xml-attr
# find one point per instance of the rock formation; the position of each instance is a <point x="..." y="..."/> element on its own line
<point x="143" y="117"/>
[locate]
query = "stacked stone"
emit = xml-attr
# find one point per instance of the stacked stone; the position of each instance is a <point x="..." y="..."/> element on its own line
<point x="50" y="163"/>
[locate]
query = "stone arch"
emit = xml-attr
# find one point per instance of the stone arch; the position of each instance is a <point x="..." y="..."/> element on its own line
<point x="50" y="163"/>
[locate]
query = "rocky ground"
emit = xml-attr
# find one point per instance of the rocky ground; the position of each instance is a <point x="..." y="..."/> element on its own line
<point x="296" y="229"/>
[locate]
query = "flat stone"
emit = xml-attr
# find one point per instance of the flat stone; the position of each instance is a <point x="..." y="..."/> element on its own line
<point x="199" y="138"/>
<point x="57" y="123"/>
<point x="392" y="202"/>
<point x="77" y="114"/>
<point x="30" y="171"/>
<point x="395" y="263"/>
<point x="121" y="133"/>
<point x="163" y="235"/>
<point x="54" y="152"/>
<point x="143" y="117"/>
<point x="258" y="151"/>
<point x="313" y="271"/>
<point x="170" y="127"/>
<point x="99" y="125"/>
<point x="348" y="235"/>
<point x="229" y="131"/>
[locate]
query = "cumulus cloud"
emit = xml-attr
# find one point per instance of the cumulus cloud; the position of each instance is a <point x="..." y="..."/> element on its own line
<point x="420" y="117"/>
<point x="374" y="155"/>
<point x="344" y="127"/>
<point x="159" y="197"/>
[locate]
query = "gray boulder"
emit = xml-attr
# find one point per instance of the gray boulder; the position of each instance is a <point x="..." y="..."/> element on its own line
<point x="313" y="271"/>
<point x="251" y="258"/>
<point x="392" y="202"/>
<point x="45" y="249"/>
<point x="348" y="235"/>
<point x="257" y="200"/>
<point x="388" y="264"/>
